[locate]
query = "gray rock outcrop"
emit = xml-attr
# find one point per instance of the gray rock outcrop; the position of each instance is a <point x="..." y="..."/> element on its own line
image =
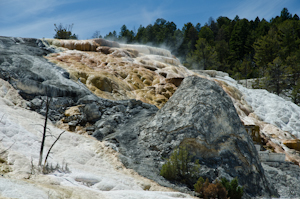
<point x="285" y="177"/>
<point x="22" y="64"/>
<point x="202" y="116"/>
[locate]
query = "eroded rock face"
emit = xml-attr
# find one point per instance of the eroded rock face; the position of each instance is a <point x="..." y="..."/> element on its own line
<point x="201" y="115"/>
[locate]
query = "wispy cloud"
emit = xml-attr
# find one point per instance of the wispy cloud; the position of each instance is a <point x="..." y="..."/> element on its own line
<point x="148" y="16"/>
<point x="20" y="10"/>
<point x="131" y="17"/>
<point x="250" y="9"/>
<point x="86" y="22"/>
<point x="35" y="18"/>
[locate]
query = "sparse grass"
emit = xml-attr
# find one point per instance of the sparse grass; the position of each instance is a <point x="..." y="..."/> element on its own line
<point x="49" y="168"/>
<point x="4" y="167"/>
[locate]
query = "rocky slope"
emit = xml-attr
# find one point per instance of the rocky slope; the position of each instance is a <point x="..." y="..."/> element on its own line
<point x="142" y="103"/>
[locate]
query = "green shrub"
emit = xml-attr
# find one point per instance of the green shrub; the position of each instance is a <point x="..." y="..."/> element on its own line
<point x="199" y="186"/>
<point x="210" y="190"/>
<point x="179" y="167"/>
<point x="233" y="188"/>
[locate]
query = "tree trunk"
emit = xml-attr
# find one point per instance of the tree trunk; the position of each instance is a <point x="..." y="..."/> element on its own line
<point x="44" y="132"/>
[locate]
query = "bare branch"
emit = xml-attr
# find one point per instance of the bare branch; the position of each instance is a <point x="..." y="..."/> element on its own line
<point x="51" y="148"/>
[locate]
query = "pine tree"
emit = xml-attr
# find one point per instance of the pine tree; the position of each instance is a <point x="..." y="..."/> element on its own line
<point x="262" y="29"/>
<point x="245" y="68"/>
<point x="296" y="17"/>
<point x="276" y="76"/>
<point x="207" y="34"/>
<point x="223" y="53"/>
<point x="190" y="37"/>
<point x="239" y="41"/>
<point x="285" y="15"/>
<point x="293" y="63"/>
<point x="126" y="35"/>
<point x="204" y="57"/>
<point x="288" y="37"/>
<point x="266" y="50"/>
<point x="225" y="28"/>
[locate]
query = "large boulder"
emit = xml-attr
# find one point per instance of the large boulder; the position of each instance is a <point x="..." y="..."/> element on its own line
<point x="202" y="116"/>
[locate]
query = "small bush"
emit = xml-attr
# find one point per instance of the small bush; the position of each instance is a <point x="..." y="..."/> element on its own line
<point x="210" y="190"/>
<point x="233" y="188"/>
<point x="199" y="186"/>
<point x="179" y="167"/>
<point x="64" y="32"/>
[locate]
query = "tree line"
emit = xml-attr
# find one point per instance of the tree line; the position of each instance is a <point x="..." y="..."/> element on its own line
<point x="245" y="49"/>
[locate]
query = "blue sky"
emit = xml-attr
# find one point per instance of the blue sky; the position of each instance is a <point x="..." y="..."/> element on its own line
<point x="36" y="18"/>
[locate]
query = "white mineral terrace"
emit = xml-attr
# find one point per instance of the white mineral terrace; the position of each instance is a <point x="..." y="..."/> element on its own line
<point x="148" y="49"/>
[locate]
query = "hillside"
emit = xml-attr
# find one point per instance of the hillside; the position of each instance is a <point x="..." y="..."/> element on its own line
<point x="124" y="109"/>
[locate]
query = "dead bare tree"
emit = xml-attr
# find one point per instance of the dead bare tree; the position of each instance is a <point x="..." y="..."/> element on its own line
<point x="45" y="163"/>
<point x="48" y="100"/>
<point x="45" y="131"/>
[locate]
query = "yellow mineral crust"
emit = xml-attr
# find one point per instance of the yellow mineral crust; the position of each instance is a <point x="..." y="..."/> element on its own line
<point x="120" y="73"/>
<point x="73" y="111"/>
